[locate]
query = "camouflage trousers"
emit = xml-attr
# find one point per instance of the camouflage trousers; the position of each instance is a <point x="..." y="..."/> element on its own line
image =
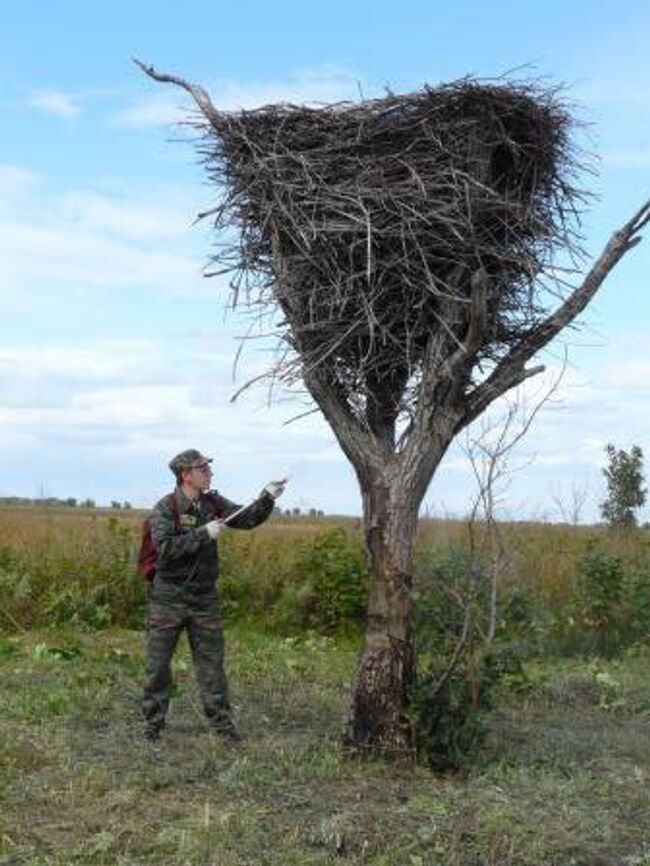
<point x="199" y="615"/>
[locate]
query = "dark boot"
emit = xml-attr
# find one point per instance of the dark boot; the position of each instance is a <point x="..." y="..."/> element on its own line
<point x="223" y="726"/>
<point x="153" y="731"/>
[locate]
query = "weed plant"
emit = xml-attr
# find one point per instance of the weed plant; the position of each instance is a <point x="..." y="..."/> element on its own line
<point x="568" y="590"/>
<point x="315" y="579"/>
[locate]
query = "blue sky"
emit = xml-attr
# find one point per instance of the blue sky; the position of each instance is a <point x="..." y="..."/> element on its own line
<point x="115" y="352"/>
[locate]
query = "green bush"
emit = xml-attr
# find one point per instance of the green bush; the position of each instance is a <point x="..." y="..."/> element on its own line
<point x="608" y="608"/>
<point x="449" y="712"/>
<point x="637" y="595"/>
<point x="441" y="580"/>
<point x="448" y="723"/>
<point x="334" y="570"/>
<point x="599" y="597"/>
<point x="318" y="583"/>
<point x="600" y="584"/>
<point x="448" y="706"/>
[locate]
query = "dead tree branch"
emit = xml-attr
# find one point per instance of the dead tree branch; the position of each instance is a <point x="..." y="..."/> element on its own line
<point x="511" y="370"/>
<point x="198" y="93"/>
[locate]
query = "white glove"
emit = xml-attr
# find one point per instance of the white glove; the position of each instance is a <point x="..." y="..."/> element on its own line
<point x="275" y="488"/>
<point x="213" y="528"/>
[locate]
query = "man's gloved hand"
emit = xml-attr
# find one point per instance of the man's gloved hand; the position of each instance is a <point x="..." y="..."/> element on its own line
<point x="213" y="528"/>
<point x="275" y="488"/>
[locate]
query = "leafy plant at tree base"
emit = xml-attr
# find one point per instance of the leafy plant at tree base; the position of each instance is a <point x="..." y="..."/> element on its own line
<point x="449" y="714"/>
<point x="457" y="668"/>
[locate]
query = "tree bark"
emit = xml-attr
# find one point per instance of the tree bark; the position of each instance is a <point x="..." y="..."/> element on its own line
<point x="392" y="493"/>
<point x="387" y="665"/>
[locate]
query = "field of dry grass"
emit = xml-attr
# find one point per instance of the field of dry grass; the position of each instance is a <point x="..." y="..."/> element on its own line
<point x="563" y="778"/>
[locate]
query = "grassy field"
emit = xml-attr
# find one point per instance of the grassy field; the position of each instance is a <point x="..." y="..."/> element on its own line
<point x="54" y="545"/>
<point x="563" y="777"/>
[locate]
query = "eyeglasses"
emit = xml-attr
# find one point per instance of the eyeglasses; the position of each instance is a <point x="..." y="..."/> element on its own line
<point x="204" y="468"/>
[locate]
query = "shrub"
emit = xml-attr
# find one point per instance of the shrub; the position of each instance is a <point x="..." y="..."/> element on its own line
<point x="318" y="581"/>
<point x="600" y="589"/>
<point x="448" y="705"/>
<point x="332" y="572"/>
<point x="449" y="714"/>
<point x="637" y="595"/>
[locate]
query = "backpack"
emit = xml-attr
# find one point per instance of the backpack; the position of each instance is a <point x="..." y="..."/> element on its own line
<point x="148" y="552"/>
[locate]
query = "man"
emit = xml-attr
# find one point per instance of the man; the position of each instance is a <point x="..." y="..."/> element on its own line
<point x="185" y="527"/>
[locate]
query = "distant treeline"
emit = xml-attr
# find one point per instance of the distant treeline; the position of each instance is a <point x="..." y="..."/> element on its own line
<point x="55" y="502"/>
<point x="73" y="502"/>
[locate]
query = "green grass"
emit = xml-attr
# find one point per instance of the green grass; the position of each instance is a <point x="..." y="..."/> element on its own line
<point x="566" y="590"/>
<point x="563" y="779"/>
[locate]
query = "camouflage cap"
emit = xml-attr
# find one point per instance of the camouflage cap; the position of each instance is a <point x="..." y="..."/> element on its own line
<point x="189" y="459"/>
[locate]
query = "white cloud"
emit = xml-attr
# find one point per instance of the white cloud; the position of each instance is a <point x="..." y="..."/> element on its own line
<point x="16" y="182"/>
<point x="124" y="401"/>
<point x="630" y="157"/>
<point x="132" y="383"/>
<point x="128" y="218"/>
<point x="101" y="360"/>
<point x="121" y="402"/>
<point x="81" y="239"/>
<point x="631" y="375"/>
<point x="56" y="102"/>
<point x="76" y="256"/>
<point x="307" y="86"/>
<point x="162" y="109"/>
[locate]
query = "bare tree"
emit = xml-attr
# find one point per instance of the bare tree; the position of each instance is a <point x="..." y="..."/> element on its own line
<point x="409" y="245"/>
<point x="488" y="459"/>
<point x="489" y="450"/>
<point x="570" y="506"/>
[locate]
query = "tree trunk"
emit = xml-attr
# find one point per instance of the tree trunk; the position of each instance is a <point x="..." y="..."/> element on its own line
<point x="387" y="665"/>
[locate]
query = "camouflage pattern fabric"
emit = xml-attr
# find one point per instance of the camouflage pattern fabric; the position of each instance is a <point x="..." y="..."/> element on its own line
<point x="198" y="613"/>
<point x="184" y="596"/>
<point x="185" y="551"/>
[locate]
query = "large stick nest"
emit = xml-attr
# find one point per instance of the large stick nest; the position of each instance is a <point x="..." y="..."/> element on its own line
<point x="368" y="222"/>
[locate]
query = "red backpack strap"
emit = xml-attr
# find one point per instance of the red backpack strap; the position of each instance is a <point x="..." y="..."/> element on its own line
<point x="174" y="506"/>
<point x="214" y="503"/>
<point x="147" y="554"/>
<point x="146" y="566"/>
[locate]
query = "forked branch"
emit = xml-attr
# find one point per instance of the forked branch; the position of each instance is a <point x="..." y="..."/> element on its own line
<point x="511" y="370"/>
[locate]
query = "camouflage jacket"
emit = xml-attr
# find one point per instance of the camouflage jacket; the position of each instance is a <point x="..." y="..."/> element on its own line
<point x="186" y="553"/>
